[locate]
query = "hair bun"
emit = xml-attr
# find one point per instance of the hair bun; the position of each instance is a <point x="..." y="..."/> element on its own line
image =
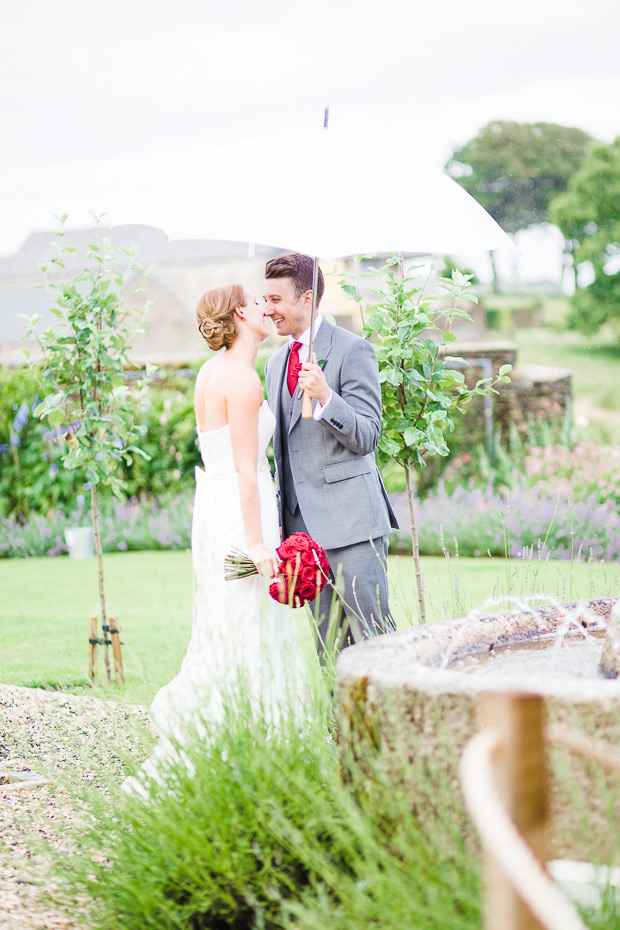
<point x="215" y="314"/>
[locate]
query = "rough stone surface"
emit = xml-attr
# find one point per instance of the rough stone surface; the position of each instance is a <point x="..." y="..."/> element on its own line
<point x="76" y="743"/>
<point x="395" y="689"/>
<point x="610" y="660"/>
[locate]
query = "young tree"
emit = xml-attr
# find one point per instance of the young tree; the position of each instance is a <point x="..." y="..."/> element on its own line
<point x="589" y="216"/>
<point x="80" y="372"/>
<point x="515" y="169"/>
<point x="422" y="391"/>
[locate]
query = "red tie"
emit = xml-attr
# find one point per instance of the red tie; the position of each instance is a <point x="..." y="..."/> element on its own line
<point x="292" y="375"/>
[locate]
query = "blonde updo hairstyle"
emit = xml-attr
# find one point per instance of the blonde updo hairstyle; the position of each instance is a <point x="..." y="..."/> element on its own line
<point x="215" y="314"/>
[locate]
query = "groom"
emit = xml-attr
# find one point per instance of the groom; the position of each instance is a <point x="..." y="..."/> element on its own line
<point x="329" y="484"/>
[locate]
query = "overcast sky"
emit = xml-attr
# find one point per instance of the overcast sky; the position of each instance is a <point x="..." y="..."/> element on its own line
<point x="101" y="104"/>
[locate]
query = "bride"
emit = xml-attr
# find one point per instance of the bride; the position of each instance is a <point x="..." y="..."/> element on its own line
<point x="241" y="638"/>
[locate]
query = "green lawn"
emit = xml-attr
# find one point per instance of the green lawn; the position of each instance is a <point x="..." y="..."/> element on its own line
<point x="595" y="367"/>
<point x="46" y="603"/>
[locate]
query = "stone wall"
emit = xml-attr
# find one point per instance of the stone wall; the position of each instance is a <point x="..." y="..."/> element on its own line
<point x="535" y="392"/>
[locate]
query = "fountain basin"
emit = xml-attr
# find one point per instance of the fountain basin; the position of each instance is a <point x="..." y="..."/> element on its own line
<point x="402" y="693"/>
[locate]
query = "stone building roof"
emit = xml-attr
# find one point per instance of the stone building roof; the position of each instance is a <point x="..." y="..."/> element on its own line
<point x="178" y="273"/>
<point x="153" y="246"/>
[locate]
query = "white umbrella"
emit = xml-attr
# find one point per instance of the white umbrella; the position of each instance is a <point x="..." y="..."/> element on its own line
<point x="328" y="196"/>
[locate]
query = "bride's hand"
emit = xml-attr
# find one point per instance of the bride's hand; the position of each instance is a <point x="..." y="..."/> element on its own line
<point x="266" y="561"/>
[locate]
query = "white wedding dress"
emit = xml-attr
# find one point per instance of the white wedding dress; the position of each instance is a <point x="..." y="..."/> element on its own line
<point x="240" y="636"/>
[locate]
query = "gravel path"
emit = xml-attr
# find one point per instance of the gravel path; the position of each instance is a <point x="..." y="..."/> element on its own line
<point x="65" y="739"/>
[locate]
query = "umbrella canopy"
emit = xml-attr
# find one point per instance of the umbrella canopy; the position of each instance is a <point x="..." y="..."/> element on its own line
<point x="328" y="196"/>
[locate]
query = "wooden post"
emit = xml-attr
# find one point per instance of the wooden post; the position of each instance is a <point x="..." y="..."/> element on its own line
<point x="119" y="675"/>
<point x="520" y="770"/>
<point x="92" y="648"/>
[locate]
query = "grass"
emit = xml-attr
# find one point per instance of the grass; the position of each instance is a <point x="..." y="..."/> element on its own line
<point x="46" y="603"/>
<point x="276" y="829"/>
<point x="595" y="367"/>
<point x="594" y="361"/>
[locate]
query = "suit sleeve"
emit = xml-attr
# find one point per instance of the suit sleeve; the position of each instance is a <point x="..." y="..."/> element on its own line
<point x="353" y="415"/>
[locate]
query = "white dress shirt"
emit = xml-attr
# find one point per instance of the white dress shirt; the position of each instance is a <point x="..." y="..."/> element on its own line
<point x="303" y="357"/>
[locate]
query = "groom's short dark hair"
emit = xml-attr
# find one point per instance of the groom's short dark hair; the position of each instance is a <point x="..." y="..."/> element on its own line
<point x="298" y="268"/>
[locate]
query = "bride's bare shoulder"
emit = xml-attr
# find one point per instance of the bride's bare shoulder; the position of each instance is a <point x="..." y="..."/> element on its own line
<point x="243" y="382"/>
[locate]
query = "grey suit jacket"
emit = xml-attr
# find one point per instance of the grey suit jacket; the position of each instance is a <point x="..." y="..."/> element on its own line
<point x="339" y="489"/>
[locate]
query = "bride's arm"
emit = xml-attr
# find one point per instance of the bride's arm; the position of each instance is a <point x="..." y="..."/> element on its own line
<point x="244" y="400"/>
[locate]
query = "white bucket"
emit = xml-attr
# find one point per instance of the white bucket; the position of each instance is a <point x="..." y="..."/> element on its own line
<point x="80" y="542"/>
<point x="584" y="882"/>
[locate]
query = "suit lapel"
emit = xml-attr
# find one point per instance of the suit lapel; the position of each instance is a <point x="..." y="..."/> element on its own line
<point x="322" y="348"/>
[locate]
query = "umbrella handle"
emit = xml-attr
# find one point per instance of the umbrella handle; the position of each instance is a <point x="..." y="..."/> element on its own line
<point x="306" y="407"/>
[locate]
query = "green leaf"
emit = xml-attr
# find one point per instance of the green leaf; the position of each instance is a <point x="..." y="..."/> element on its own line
<point x="56" y="417"/>
<point x="412" y="435"/>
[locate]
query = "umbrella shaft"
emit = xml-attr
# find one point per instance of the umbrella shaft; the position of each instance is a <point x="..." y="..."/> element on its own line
<point x="315" y="278"/>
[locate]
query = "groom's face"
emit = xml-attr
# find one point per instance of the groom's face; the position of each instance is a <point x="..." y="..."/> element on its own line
<point x="290" y="314"/>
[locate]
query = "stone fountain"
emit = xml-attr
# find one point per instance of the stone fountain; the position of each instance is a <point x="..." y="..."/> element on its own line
<point x="414" y="695"/>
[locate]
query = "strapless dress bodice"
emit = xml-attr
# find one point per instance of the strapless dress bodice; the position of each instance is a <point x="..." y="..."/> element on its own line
<point x="216" y="447"/>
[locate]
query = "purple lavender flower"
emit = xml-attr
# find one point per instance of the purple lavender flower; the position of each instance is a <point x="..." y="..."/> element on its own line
<point x="21" y="418"/>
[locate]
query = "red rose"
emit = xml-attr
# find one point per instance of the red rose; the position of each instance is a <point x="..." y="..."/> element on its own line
<point x="274" y="591"/>
<point x="307" y="591"/>
<point x="308" y="558"/>
<point x="301" y="541"/>
<point x="285" y="551"/>
<point x="308" y="574"/>
<point x="292" y="567"/>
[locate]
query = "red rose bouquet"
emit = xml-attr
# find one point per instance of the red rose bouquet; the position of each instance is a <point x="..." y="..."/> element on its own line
<point x="303" y="569"/>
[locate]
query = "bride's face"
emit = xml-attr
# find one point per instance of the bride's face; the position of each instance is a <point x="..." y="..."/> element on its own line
<point x="255" y="316"/>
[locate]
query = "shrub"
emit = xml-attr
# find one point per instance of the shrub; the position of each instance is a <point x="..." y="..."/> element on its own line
<point x="500" y="523"/>
<point x="125" y="525"/>
<point x="265" y="834"/>
<point x="32" y="477"/>
<point x="583" y="473"/>
<point x="31" y="473"/>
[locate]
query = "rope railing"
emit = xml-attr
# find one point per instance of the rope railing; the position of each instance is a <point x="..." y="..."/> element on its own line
<point x="583" y="746"/>
<point x="504" y="843"/>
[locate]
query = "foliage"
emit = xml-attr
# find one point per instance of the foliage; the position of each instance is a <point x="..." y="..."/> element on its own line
<point x="422" y="387"/>
<point x="265" y="834"/>
<point x="32" y="476"/>
<point x="515" y="169"/>
<point x="169" y="441"/>
<point x="469" y="461"/>
<point x="579" y="473"/>
<point x="478" y="522"/>
<point x="422" y="391"/>
<point x="83" y="356"/>
<point x="589" y="216"/>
